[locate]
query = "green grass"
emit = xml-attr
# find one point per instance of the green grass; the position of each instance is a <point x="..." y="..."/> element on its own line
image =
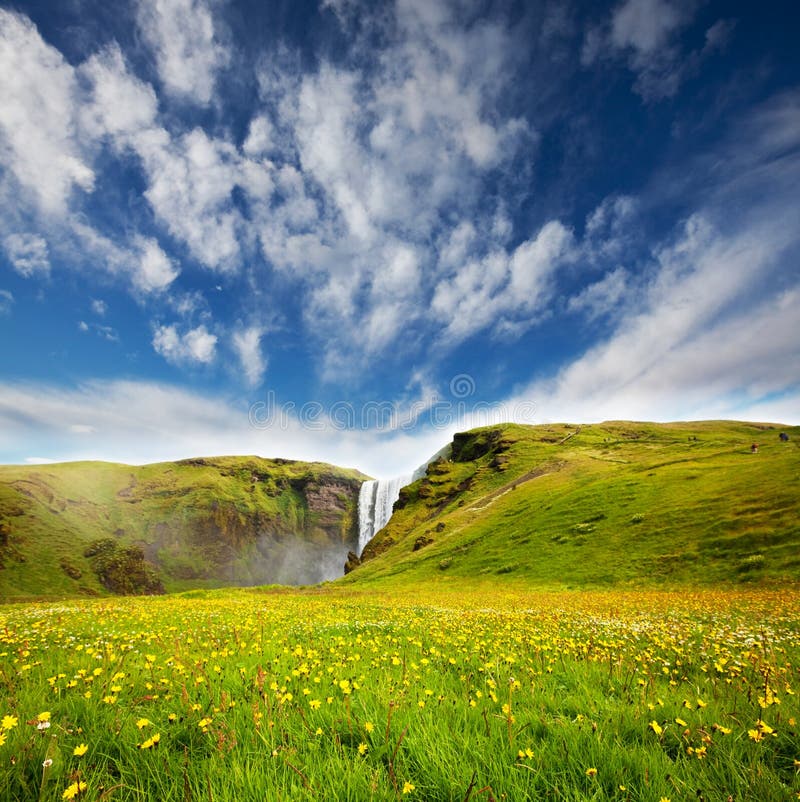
<point x="201" y="522"/>
<point x="338" y="695"/>
<point x="612" y="504"/>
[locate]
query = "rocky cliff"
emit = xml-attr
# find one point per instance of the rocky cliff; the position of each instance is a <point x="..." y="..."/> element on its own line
<point x="90" y="527"/>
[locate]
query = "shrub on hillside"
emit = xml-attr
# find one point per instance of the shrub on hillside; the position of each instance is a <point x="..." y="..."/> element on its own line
<point x="123" y="569"/>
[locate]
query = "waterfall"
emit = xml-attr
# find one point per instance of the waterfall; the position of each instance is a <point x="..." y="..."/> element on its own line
<point x="377" y="497"/>
<point x="375" y="502"/>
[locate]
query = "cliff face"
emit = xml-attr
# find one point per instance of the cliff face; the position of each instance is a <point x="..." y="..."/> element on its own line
<point x="195" y="523"/>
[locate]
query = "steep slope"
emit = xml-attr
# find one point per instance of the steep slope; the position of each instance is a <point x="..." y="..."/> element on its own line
<point x="619" y="502"/>
<point x="91" y="527"/>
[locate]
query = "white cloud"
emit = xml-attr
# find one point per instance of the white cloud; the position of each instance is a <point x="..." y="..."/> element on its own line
<point x="454" y="252"/>
<point x="399" y="274"/>
<point x="191" y="182"/>
<point x="185" y="38"/>
<point x="504" y="290"/>
<point x="364" y="164"/>
<point x="99" y="307"/>
<point x="326" y="130"/>
<point x="142" y="262"/>
<point x="391" y="157"/>
<point x="689" y="347"/>
<point x="534" y="261"/>
<point x="196" y="345"/>
<point x="53" y="122"/>
<point x="28" y="254"/>
<point x="105" y="332"/>
<point x="361" y="184"/>
<point x="646" y="25"/>
<point x="247" y="345"/>
<point x="38" y="136"/>
<point x="141" y="422"/>
<point x="6" y="300"/>
<point x="645" y="31"/>
<point x="734" y="369"/>
<point x="155" y="270"/>
<point x="119" y="104"/>
<point x="424" y="111"/>
<point x="191" y="177"/>
<point x="611" y="216"/>
<point x="39" y="461"/>
<point x="82" y="428"/>
<point x="259" y="137"/>
<point x="603" y="296"/>
<point x="190" y="304"/>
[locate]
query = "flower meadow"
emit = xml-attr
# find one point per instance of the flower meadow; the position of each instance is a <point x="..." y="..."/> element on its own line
<point x="326" y="694"/>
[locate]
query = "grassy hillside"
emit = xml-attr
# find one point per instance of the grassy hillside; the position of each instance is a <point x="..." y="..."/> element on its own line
<point x="614" y="503"/>
<point x="82" y="527"/>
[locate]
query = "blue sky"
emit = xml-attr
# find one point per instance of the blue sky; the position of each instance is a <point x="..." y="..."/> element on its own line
<point x="344" y="230"/>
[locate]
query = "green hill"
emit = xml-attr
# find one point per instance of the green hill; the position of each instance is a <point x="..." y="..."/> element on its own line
<point x="93" y="527"/>
<point x="631" y="504"/>
<point x="614" y="503"/>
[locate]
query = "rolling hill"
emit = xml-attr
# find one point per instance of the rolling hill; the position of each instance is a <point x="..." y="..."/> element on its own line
<point x="92" y="528"/>
<point x="619" y="503"/>
<point x="550" y="506"/>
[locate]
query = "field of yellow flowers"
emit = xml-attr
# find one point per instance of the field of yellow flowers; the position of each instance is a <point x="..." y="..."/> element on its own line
<point x="295" y="695"/>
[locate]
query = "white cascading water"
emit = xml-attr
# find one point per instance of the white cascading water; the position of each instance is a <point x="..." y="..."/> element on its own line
<point x="377" y="497"/>
<point x="375" y="502"/>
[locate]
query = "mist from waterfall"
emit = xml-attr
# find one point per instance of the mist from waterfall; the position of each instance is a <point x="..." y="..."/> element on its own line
<point x="375" y="502"/>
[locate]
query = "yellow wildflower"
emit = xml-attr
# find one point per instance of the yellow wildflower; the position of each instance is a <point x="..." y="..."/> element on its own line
<point x="9" y="722"/>
<point x="71" y="791"/>
<point x="80" y="750"/>
<point x="408" y="787"/>
<point x="150" y="742"/>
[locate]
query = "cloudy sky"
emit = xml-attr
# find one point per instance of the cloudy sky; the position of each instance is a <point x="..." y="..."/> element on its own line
<point x="342" y="230"/>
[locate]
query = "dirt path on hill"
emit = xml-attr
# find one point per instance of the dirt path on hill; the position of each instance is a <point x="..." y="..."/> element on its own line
<point x="489" y="499"/>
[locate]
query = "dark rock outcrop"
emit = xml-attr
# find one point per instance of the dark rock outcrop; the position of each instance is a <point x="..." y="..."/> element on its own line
<point x="352" y="562"/>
